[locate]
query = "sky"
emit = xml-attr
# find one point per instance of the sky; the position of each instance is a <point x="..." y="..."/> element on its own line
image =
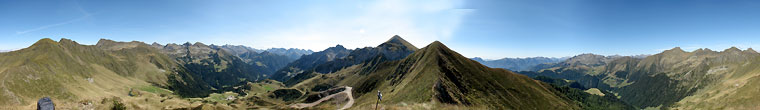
<point x="490" y="29"/>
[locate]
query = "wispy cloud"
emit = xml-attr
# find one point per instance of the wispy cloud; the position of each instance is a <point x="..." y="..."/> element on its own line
<point x="85" y="15"/>
<point x="53" y="25"/>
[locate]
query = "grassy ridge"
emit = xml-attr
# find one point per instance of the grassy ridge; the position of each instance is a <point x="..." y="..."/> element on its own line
<point x="439" y="76"/>
<point x="68" y="72"/>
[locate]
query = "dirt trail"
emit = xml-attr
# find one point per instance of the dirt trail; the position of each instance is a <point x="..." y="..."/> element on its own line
<point x="347" y="92"/>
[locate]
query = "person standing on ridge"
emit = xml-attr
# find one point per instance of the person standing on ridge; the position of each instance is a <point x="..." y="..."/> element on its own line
<point x="379" y="98"/>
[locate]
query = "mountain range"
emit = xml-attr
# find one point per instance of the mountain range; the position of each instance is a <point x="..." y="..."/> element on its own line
<point x="518" y="64"/>
<point x="69" y="72"/>
<point x="436" y="73"/>
<point x="136" y="75"/>
<point x="676" y="79"/>
<point x="336" y="58"/>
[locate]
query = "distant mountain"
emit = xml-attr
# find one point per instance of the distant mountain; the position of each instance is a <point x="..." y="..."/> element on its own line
<point x="436" y="73"/>
<point x="270" y="60"/>
<point x="216" y="66"/>
<point x="307" y="62"/>
<point x="518" y="64"/>
<point x="671" y="79"/>
<point x="292" y="53"/>
<point x="238" y="49"/>
<point x="394" y="49"/>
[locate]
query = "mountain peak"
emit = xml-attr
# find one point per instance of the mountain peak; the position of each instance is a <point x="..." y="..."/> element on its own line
<point x="200" y="44"/>
<point x="446" y="71"/>
<point x="398" y="41"/>
<point x="67" y="41"/>
<point x="336" y="47"/>
<point x="437" y="47"/>
<point x="732" y="49"/>
<point x="395" y="37"/>
<point x="750" y="50"/>
<point x="436" y="44"/>
<point x="477" y="59"/>
<point x="105" y="41"/>
<point x="675" y="49"/>
<point x="44" y="41"/>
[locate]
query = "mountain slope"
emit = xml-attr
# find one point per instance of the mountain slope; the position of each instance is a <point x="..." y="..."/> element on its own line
<point x="436" y="74"/>
<point x="603" y="100"/>
<point x="69" y="72"/>
<point x="671" y="79"/>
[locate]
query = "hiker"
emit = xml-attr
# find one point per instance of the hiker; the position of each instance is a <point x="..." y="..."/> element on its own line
<point x="379" y="98"/>
<point x="45" y="104"/>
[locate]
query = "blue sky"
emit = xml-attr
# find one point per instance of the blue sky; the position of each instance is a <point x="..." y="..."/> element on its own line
<point x="475" y="28"/>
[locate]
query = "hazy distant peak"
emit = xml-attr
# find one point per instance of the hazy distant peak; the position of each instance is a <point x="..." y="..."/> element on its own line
<point x="478" y="59"/>
<point x="337" y="47"/>
<point x="172" y="45"/>
<point x="588" y="55"/>
<point x="674" y="50"/>
<point x="750" y="50"/>
<point x="398" y="41"/>
<point x="704" y="49"/>
<point x="200" y="44"/>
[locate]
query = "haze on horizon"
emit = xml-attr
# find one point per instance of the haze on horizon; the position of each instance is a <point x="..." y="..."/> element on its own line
<point x="479" y="28"/>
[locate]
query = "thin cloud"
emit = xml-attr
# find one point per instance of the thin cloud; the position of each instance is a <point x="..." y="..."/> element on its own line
<point x="76" y="5"/>
<point x="53" y="25"/>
